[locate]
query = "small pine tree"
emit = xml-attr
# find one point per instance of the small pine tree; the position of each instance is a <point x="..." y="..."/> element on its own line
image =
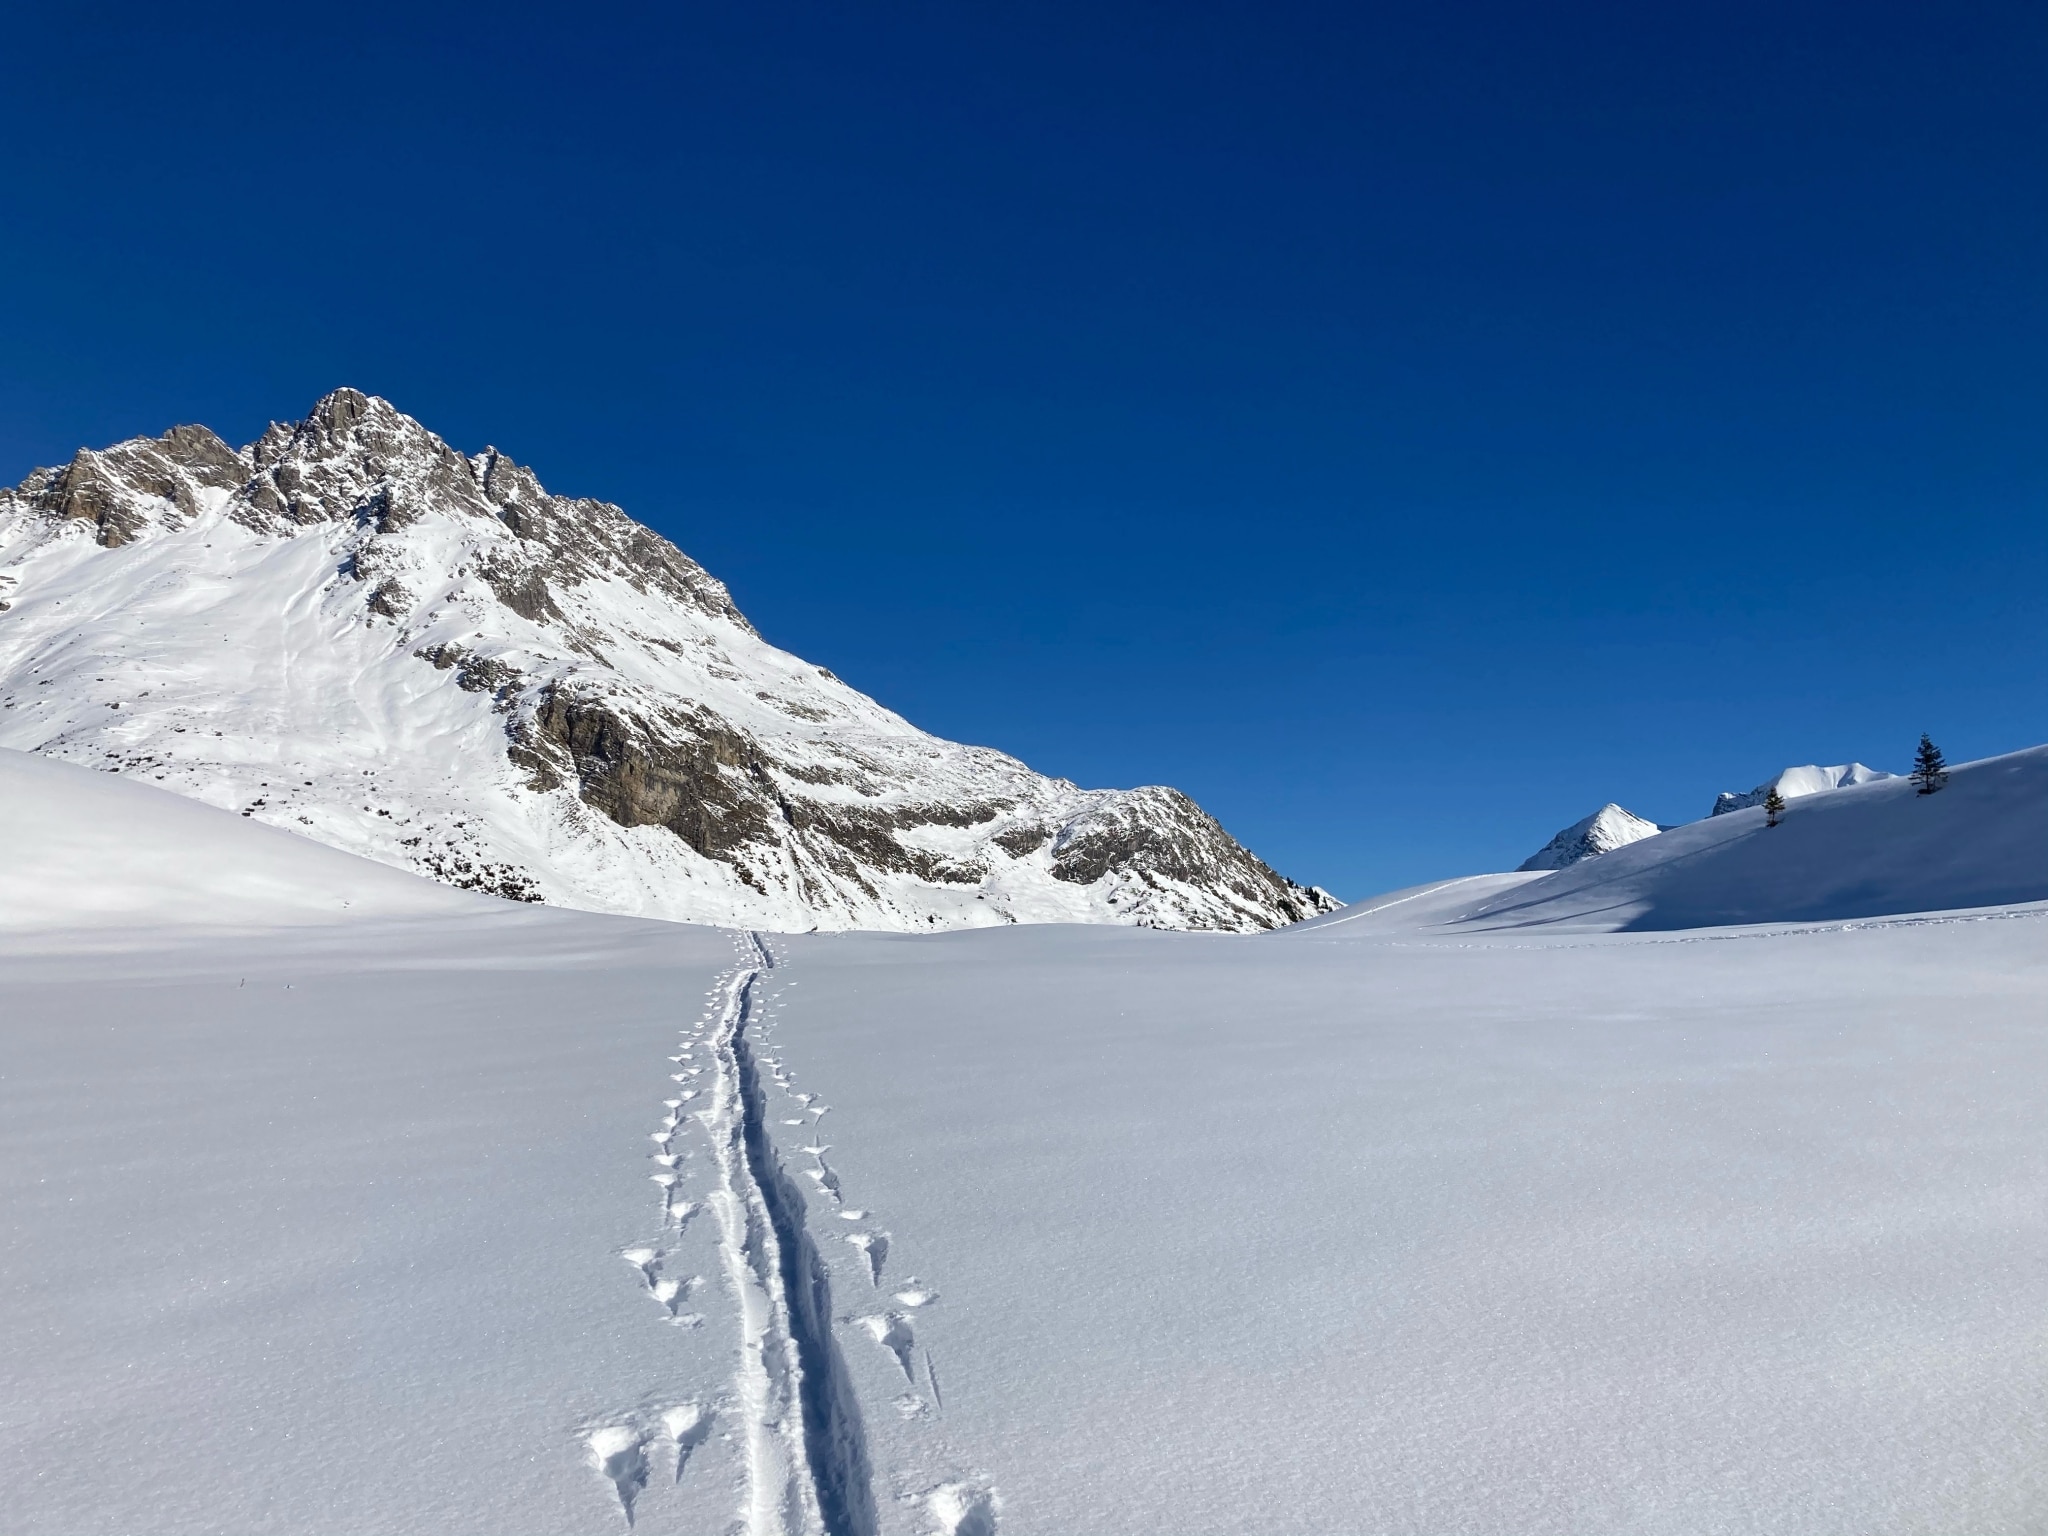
<point x="1774" y="807"/>
<point x="1930" y="768"/>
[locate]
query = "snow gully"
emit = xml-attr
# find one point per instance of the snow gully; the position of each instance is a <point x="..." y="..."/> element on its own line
<point x="807" y="1461"/>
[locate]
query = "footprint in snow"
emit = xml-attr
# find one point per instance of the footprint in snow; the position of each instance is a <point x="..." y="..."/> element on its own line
<point x="892" y="1331"/>
<point x="963" y="1509"/>
<point x="673" y="1293"/>
<point x="875" y="1247"/>
<point x="689" y="1425"/>
<point x="619" y="1451"/>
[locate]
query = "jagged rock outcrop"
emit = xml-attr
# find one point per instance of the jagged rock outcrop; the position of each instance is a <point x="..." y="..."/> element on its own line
<point x="1605" y="830"/>
<point x="354" y="631"/>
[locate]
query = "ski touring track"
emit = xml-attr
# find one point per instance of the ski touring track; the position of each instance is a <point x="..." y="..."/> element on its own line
<point x="791" y="1403"/>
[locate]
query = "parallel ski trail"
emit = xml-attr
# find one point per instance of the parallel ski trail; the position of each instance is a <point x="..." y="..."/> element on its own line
<point x="806" y="1453"/>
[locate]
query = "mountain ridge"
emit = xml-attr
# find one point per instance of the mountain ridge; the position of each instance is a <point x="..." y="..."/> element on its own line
<point x="1798" y="780"/>
<point x="426" y="658"/>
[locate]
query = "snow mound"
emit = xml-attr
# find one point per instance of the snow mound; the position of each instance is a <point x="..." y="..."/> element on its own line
<point x="91" y="851"/>
<point x="1792" y="783"/>
<point x="1605" y="830"/>
<point x="1865" y="850"/>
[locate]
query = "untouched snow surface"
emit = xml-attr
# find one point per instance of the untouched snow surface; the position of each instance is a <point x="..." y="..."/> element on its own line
<point x="492" y="1218"/>
<point x="86" y="853"/>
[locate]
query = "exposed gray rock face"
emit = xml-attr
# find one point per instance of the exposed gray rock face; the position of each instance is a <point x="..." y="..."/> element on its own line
<point x="119" y="491"/>
<point x="355" y="631"/>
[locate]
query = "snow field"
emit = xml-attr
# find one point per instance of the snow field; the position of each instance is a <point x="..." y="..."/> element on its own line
<point x="437" y="1213"/>
<point x="1391" y="1233"/>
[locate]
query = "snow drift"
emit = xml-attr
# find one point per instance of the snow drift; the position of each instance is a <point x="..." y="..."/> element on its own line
<point x="88" y="851"/>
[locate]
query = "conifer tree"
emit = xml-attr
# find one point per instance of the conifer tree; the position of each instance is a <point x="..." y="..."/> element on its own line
<point x="1774" y="807"/>
<point x="1930" y="768"/>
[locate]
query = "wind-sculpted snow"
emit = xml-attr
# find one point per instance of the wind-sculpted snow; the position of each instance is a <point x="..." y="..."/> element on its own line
<point x="351" y="631"/>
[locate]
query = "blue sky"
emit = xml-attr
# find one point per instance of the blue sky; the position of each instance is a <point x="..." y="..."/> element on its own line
<point x="1404" y="428"/>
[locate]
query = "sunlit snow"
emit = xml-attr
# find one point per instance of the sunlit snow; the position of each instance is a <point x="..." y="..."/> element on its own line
<point x="1455" y="1211"/>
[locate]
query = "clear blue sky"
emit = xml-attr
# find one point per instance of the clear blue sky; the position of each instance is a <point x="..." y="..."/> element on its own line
<point x="1403" y="427"/>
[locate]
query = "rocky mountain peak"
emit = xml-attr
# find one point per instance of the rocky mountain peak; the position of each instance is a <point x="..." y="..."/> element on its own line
<point x="358" y="632"/>
<point x="1605" y="830"/>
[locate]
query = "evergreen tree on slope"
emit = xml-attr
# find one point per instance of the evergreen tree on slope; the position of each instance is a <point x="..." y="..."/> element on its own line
<point x="1930" y="768"/>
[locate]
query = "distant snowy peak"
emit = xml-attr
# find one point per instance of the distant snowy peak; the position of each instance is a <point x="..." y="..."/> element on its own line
<point x="354" y="632"/>
<point x="1605" y="830"/>
<point x="1808" y="779"/>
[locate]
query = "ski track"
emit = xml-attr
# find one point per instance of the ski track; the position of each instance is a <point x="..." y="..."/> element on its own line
<point x="792" y="1399"/>
<point x="805" y="1445"/>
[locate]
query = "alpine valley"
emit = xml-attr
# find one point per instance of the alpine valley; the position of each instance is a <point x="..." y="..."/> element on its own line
<point x="352" y="631"/>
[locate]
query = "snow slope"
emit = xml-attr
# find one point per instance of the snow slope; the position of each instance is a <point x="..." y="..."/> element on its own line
<point x="1791" y="783"/>
<point x="353" y="632"/>
<point x="85" y="852"/>
<point x="1858" y="851"/>
<point x="496" y="1217"/>
<point x="1605" y="830"/>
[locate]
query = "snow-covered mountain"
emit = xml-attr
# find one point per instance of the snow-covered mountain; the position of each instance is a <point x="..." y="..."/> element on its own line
<point x="1807" y="779"/>
<point x="352" y="631"/>
<point x="1864" y="850"/>
<point x="1605" y="830"/>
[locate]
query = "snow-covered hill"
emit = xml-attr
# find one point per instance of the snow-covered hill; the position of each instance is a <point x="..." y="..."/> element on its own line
<point x="1864" y="850"/>
<point x="351" y="631"/>
<point x="85" y="852"/>
<point x="1605" y="830"/>
<point x="1791" y="783"/>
